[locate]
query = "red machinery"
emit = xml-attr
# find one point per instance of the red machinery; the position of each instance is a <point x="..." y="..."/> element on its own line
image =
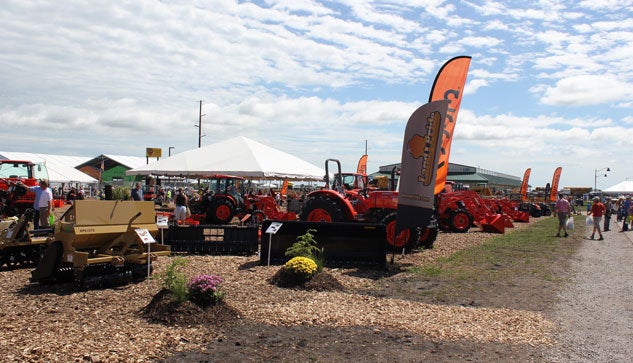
<point x="227" y="198"/>
<point x="506" y="206"/>
<point x="458" y="210"/>
<point x="336" y="203"/>
<point x="14" y="198"/>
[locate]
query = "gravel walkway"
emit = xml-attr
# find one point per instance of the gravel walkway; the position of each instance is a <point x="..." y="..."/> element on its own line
<point x="595" y="313"/>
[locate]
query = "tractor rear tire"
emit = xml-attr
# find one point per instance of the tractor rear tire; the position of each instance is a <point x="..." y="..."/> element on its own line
<point x="460" y="221"/>
<point x="406" y="239"/>
<point x="322" y="209"/>
<point x="221" y="211"/>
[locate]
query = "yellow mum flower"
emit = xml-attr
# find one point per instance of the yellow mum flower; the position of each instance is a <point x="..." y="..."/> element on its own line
<point x="302" y="266"/>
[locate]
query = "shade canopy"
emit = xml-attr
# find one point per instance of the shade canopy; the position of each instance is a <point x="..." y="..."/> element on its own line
<point x="61" y="169"/>
<point x="239" y="156"/>
<point x="623" y="187"/>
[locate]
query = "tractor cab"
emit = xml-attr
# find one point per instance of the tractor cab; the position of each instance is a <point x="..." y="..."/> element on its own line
<point x="354" y="181"/>
<point x="14" y="199"/>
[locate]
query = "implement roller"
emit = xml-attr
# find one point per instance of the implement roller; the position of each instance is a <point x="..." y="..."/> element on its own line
<point x="99" y="242"/>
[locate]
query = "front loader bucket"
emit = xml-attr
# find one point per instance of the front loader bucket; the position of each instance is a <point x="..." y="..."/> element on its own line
<point x="344" y="244"/>
<point x="521" y="216"/>
<point x="493" y="224"/>
<point x="507" y="221"/>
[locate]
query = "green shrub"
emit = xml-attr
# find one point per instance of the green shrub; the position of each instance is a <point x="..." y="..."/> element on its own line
<point x="174" y="280"/>
<point x="121" y="193"/>
<point x="306" y="246"/>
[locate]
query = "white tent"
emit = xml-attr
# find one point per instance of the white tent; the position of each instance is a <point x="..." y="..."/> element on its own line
<point x="60" y="167"/>
<point x="623" y="187"/>
<point x="239" y="156"/>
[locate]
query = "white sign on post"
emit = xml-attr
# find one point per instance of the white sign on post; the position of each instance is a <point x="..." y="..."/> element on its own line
<point x="163" y="223"/>
<point x="147" y="239"/>
<point x="144" y="235"/>
<point x="272" y="229"/>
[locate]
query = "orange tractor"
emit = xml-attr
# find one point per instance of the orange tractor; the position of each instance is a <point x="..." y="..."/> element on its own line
<point x="459" y="210"/>
<point x="338" y="202"/>
<point x="15" y="198"/>
<point x="226" y="198"/>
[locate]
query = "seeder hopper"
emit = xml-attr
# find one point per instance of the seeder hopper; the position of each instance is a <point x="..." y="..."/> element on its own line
<point x="101" y="241"/>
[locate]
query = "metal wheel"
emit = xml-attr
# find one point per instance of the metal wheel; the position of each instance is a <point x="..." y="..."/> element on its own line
<point x="257" y="217"/>
<point x="221" y="211"/>
<point x="322" y="209"/>
<point x="427" y="237"/>
<point x="406" y="238"/>
<point x="460" y="221"/>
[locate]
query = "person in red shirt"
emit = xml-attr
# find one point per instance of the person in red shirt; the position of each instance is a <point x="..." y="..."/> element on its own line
<point x="597" y="211"/>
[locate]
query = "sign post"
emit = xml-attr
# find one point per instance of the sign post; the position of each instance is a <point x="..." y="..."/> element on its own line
<point x="147" y="239"/>
<point x="162" y="222"/>
<point x="272" y="229"/>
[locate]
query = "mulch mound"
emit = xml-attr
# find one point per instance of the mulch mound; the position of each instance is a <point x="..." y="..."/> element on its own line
<point x="163" y="309"/>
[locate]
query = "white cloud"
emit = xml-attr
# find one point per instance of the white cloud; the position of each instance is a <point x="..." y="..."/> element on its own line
<point x="317" y="77"/>
<point x="587" y="90"/>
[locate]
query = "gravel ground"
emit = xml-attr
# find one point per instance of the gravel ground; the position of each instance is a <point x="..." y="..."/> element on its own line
<point x="595" y="312"/>
<point x="593" y="321"/>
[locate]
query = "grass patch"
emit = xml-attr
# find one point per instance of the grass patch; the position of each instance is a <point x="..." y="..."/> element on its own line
<point x="508" y="270"/>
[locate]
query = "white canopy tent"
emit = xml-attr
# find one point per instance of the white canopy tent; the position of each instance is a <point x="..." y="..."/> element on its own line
<point x="625" y="187"/>
<point x="60" y="168"/>
<point x="239" y="156"/>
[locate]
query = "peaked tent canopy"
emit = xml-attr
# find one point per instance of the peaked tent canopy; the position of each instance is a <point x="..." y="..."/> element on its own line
<point x="239" y="156"/>
<point x="623" y="187"/>
<point x="61" y="168"/>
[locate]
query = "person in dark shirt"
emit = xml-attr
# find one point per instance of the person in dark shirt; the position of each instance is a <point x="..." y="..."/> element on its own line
<point x="181" y="201"/>
<point x="137" y="192"/>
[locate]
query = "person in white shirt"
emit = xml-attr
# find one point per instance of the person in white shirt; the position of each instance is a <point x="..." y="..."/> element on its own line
<point x="43" y="202"/>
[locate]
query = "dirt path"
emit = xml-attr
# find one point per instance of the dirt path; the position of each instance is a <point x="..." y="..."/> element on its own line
<point x="595" y="313"/>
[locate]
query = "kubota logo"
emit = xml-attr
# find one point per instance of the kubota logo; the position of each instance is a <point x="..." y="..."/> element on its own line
<point x="424" y="147"/>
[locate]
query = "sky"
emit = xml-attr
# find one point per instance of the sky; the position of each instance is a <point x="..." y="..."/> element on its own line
<point x="550" y="82"/>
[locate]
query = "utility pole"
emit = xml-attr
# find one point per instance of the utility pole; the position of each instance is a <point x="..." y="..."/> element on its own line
<point x="200" y="125"/>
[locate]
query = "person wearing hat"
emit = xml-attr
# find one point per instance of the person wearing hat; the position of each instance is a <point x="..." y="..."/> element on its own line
<point x="607" y="214"/>
<point x="597" y="211"/>
<point x="43" y="204"/>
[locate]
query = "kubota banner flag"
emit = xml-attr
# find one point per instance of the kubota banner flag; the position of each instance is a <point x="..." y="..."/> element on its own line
<point x="554" y="192"/>
<point x="284" y="187"/>
<point x="362" y="165"/>
<point x="420" y="151"/>
<point x="449" y="85"/>
<point x="524" y="184"/>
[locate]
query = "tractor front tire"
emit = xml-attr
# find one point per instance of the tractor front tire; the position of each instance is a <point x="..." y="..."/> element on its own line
<point x="406" y="239"/>
<point x="460" y="221"/>
<point x="322" y="209"/>
<point x="220" y="211"/>
<point x="427" y="237"/>
<point x="257" y="217"/>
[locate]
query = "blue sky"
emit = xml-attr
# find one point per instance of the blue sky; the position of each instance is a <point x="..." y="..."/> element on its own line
<point x="550" y="82"/>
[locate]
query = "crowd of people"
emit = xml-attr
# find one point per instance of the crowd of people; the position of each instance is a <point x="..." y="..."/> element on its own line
<point x="599" y="211"/>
